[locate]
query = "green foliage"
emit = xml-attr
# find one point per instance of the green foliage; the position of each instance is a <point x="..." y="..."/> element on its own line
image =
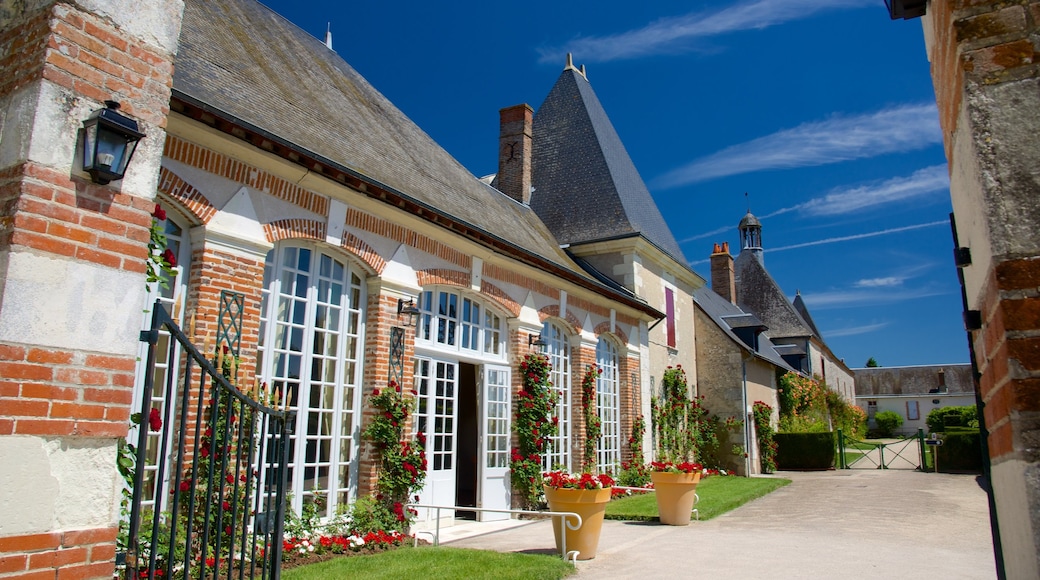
<point x="939" y="419"/>
<point x="765" y="434"/>
<point x="805" y="450"/>
<point x="871" y="363"/>
<point x="634" y="473"/>
<point x="161" y="261"/>
<point x="535" y="424"/>
<point x="887" y="422"/>
<point x="719" y="494"/>
<point x="810" y="406"/>
<point x="960" y="450"/>
<point x="685" y="430"/>
<point x="402" y="467"/>
<point x="593" y="425"/>
<point x="368" y="514"/>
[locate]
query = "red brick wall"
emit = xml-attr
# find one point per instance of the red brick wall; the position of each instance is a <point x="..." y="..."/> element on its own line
<point x="71" y="554"/>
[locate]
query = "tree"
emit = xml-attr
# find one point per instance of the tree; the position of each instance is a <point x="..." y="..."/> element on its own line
<point x="872" y="363"/>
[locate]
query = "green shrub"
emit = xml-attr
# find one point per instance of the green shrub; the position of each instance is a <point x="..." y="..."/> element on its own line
<point x="960" y="450"/>
<point x="805" y="450"/>
<point x="887" y="422"/>
<point x="939" y="419"/>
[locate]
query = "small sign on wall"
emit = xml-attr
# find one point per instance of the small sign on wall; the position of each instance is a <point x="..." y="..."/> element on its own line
<point x="913" y="413"/>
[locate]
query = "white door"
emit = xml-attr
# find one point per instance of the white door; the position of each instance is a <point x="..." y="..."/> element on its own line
<point x="494" y="483"/>
<point x="436" y="382"/>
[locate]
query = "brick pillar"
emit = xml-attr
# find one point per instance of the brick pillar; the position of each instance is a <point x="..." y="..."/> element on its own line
<point x="72" y="261"/>
<point x="381" y="316"/>
<point x="986" y="72"/>
<point x="514" y="152"/>
<point x="583" y="355"/>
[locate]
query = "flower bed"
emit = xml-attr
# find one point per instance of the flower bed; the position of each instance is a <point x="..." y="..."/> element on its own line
<point x="300" y="551"/>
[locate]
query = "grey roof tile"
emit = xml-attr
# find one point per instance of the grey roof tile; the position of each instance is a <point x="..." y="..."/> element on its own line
<point x="586" y="187"/>
<point x="759" y="294"/>
<point x="244" y="60"/>
<point x="729" y="316"/>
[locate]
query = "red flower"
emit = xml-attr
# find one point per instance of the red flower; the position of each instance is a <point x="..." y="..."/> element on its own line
<point x="375" y="392"/>
<point x="169" y="258"/>
<point x="159" y="213"/>
<point x="227" y="507"/>
<point x="154" y="420"/>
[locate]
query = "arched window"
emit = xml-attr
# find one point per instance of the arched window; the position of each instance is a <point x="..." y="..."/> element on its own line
<point x="455" y="322"/>
<point x="310" y="352"/>
<point x="171" y="296"/>
<point x="559" y="352"/>
<point x="608" y="450"/>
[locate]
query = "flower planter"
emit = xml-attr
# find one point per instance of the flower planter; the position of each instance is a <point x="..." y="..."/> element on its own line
<point x="590" y="504"/>
<point x="675" y="496"/>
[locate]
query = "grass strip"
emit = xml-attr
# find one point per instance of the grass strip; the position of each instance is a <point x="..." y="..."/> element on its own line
<point x="435" y="563"/>
<point x="719" y="494"/>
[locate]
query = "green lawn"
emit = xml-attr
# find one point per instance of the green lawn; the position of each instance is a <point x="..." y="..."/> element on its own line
<point x="718" y="495"/>
<point x="438" y="563"/>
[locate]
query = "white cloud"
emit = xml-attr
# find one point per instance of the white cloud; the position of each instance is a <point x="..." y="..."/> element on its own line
<point x="677" y="34"/>
<point x="859" y="236"/>
<point x="856" y="298"/>
<point x="842" y="201"/>
<point x="888" y="281"/>
<point x="839" y="138"/>
<point x="855" y="330"/>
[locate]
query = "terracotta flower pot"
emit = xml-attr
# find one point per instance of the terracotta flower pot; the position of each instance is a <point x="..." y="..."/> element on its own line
<point x="675" y="496"/>
<point x="590" y="504"/>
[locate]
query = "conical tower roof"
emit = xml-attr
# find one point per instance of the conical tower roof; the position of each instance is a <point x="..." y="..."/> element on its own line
<point x="586" y="187"/>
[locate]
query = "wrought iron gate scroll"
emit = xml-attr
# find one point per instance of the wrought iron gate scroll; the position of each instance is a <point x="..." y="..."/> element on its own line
<point x="226" y="466"/>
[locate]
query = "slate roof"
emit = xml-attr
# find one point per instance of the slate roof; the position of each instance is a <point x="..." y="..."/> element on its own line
<point x="243" y="61"/>
<point x="728" y="316"/>
<point x="758" y="293"/>
<point x="803" y="310"/>
<point x="586" y="187"/>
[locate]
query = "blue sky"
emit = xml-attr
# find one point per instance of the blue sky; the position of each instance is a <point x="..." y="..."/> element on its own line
<point x="822" y="111"/>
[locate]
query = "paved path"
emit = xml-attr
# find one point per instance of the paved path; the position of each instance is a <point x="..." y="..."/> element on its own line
<point x="850" y="525"/>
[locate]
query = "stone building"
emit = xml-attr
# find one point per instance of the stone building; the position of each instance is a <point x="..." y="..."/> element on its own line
<point x="913" y="391"/>
<point x="567" y="161"/>
<point x="986" y="72"/>
<point x="744" y="281"/>
<point x="290" y="182"/>
<point x="737" y="365"/>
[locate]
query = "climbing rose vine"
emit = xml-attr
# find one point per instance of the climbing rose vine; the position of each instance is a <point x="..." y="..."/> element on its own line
<point x="402" y="468"/>
<point x="535" y="424"/>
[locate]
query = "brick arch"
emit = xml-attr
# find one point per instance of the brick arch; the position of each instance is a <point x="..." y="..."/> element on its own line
<point x="192" y="200"/>
<point x="499" y="296"/>
<point x="364" y="253"/>
<point x="553" y="311"/>
<point x="443" y="277"/>
<point x="604" y="328"/>
<point x="294" y="228"/>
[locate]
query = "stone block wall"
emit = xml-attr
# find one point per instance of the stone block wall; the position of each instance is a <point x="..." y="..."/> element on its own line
<point x="985" y="59"/>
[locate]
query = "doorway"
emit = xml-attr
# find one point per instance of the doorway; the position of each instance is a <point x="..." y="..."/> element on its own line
<point x="468" y="441"/>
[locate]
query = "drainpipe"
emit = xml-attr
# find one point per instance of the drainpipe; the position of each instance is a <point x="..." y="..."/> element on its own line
<point x="744" y="411"/>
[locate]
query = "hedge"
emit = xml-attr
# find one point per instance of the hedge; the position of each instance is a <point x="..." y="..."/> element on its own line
<point x="960" y="451"/>
<point x="805" y="450"/>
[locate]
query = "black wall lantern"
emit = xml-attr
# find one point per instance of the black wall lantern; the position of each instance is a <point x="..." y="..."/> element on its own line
<point x="409" y="309"/>
<point x="537" y="341"/>
<point x="109" y="141"/>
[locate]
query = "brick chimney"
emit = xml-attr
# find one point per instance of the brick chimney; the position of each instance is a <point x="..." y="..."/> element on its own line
<point x="514" y="152"/>
<point x="723" y="278"/>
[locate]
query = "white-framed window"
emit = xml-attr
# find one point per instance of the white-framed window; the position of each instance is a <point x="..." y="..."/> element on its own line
<point x="310" y="352"/>
<point x="172" y="298"/>
<point x="608" y="450"/>
<point x="558" y="350"/>
<point x="452" y="321"/>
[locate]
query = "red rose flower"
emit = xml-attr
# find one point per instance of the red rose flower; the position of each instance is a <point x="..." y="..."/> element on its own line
<point x="159" y="213"/>
<point x="169" y="258"/>
<point x="154" y="420"/>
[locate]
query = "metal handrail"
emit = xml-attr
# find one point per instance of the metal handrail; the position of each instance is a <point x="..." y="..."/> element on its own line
<point x="696" y="496"/>
<point x="573" y="554"/>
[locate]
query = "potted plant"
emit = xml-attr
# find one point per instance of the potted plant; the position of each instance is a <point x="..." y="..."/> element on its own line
<point x="675" y="486"/>
<point x="585" y="494"/>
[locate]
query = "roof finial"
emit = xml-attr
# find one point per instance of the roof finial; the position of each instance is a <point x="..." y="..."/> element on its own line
<point x="570" y="66"/>
<point x="748" y="201"/>
<point x="570" y="62"/>
<point x="328" y="35"/>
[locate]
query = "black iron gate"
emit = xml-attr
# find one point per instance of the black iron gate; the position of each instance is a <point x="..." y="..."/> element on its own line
<point x="225" y="467"/>
<point x="905" y="453"/>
